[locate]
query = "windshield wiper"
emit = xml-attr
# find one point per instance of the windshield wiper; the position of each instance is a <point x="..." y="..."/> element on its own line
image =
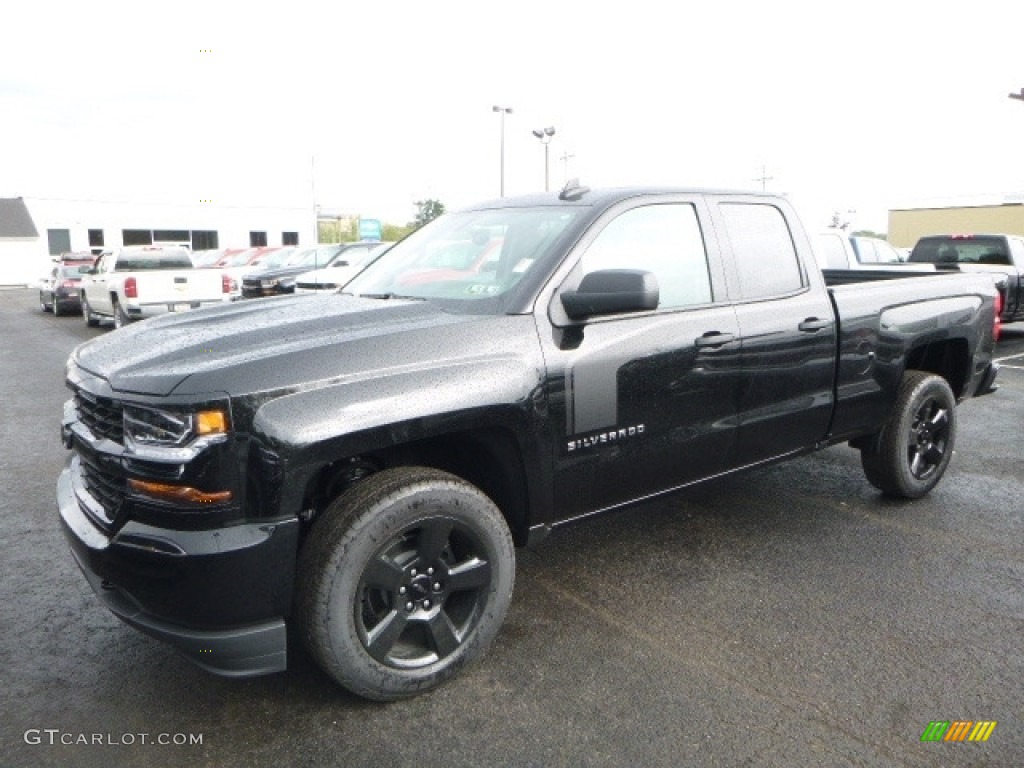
<point x="389" y="296"/>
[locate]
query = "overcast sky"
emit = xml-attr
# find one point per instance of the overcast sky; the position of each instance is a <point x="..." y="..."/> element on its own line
<point x="369" y="106"/>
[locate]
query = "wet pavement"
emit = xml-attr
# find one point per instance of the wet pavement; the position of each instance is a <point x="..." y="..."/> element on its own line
<point x="787" y="617"/>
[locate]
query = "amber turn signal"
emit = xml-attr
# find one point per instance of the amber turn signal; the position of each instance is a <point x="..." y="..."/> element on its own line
<point x="211" y="422"/>
<point x="169" y="492"/>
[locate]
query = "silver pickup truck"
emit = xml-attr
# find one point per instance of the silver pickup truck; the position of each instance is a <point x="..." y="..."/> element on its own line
<point x="130" y="284"/>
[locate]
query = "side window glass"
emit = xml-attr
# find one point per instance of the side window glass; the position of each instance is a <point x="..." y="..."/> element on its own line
<point x="868" y="251"/>
<point x="765" y="255"/>
<point x="664" y="239"/>
<point x="831" y="253"/>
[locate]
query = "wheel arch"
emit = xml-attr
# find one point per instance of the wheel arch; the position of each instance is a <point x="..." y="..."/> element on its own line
<point x="490" y="458"/>
<point x="949" y="358"/>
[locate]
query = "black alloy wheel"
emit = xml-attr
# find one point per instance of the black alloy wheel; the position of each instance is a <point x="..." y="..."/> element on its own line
<point x="403" y="580"/>
<point x="910" y="454"/>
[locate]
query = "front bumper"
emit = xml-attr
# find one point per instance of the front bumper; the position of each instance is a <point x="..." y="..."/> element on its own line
<point x="218" y="596"/>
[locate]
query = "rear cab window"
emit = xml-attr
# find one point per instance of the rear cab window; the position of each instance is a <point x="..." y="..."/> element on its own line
<point x="961" y="249"/>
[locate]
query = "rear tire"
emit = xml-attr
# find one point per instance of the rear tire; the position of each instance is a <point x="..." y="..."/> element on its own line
<point x="42" y="303"/>
<point x="404" y="579"/>
<point x="90" y="317"/>
<point x="910" y="454"/>
<point x="121" y="318"/>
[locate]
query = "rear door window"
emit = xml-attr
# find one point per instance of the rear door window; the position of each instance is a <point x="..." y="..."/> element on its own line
<point x="766" y="260"/>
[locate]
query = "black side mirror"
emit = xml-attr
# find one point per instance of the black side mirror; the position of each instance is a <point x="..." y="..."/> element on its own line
<point x="609" y="291"/>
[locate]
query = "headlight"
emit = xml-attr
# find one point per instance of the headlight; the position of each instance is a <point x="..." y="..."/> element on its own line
<point x="269" y="283"/>
<point x="153" y="427"/>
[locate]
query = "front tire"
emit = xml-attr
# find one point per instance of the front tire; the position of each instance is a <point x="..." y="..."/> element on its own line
<point x="910" y="454"/>
<point x="403" y="580"/>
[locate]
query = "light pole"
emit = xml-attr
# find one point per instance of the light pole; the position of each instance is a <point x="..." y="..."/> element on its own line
<point x="504" y="111"/>
<point x="545" y="134"/>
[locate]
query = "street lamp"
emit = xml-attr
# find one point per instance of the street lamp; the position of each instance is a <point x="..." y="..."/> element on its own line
<point x="504" y="111"/>
<point x="545" y="134"/>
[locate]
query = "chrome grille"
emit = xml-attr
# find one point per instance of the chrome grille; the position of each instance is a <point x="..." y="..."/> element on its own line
<point x="101" y="415"/>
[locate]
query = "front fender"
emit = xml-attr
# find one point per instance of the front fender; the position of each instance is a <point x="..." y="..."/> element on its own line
<point x="310" y="429"/>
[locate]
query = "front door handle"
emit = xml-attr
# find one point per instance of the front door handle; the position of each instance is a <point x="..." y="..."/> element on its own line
<point x="713" y="340"/>
<point x="814" y="324"/>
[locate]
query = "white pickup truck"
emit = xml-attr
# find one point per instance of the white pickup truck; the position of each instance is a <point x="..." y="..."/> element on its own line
<point x="130" y="284"/>
<point x="836" y="249"/>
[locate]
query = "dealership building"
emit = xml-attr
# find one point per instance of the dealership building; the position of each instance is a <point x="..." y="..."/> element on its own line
<point x="906" y="225"/>
<point x="35" y="230"/>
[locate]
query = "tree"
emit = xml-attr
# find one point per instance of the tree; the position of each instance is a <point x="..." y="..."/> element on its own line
<point x="394" y="232"/>
<point x="427" y="211"/>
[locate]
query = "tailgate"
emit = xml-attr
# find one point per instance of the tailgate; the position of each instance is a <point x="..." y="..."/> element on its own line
<point x="168" y="287"/>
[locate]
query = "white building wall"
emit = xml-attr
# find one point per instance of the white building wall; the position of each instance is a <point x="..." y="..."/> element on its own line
<point x="25" y="261"/>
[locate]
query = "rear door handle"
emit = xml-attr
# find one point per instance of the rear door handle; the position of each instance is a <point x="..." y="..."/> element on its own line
<point x="713" y="339"/>
<point x="813" y="325"/>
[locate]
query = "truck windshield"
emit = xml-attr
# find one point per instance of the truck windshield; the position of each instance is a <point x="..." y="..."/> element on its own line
<point x="465" y="260"/>
<point x="967" y="249"/>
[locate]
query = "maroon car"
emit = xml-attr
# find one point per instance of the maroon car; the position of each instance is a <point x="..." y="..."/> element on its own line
<point x="59" y="289"/>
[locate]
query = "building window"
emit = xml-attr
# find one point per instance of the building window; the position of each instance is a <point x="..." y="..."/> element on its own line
<point x="203" y="240"/>
<point x="171" y="236"/>
<point x="257" y="239"/>
<point x="136" y="237"/>
<point x="289" y="238"/>
<point x="95" y="238"/>
<point x="59" y="240"/>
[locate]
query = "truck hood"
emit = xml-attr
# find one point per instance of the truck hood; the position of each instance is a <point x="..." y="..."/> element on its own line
<point x="269" y="344"/>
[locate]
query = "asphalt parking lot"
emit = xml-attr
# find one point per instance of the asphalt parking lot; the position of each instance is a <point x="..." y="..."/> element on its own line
<point x="788" y="617"/>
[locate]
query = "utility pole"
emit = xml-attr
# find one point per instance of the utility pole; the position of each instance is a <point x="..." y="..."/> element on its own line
<point x="504" y="111"/>
<point x="764" y="178"/>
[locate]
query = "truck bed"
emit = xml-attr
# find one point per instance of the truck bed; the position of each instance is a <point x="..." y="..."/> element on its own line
<point x="880" y="315"/>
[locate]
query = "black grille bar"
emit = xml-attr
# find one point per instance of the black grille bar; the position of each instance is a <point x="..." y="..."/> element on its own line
<point x="101" y="415"/>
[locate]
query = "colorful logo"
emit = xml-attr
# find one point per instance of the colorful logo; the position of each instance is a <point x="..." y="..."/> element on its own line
<point x="958" y="730"/>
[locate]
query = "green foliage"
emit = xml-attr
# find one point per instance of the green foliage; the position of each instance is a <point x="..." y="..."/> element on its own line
<point x="427" y="210"/>
<point x="869" y="233"/>
<point x="395" y="232"/>
<point x="337" y="231"/>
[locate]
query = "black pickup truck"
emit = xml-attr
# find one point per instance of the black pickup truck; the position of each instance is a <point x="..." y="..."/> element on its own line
<point x="361" y="465"/>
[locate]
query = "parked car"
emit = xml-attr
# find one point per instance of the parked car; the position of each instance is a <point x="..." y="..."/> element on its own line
<point x="361" y="464"/>
<point x="278" y="276"/>
<point x="348" y="262"/>
<point x="1001" y="256"/>
<point x="59" y="289"/>
<point x="240" y="262"/>
<point x="128" y="284"/>
<point x="836" y="249"/>
<point x="208" y="257"/>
